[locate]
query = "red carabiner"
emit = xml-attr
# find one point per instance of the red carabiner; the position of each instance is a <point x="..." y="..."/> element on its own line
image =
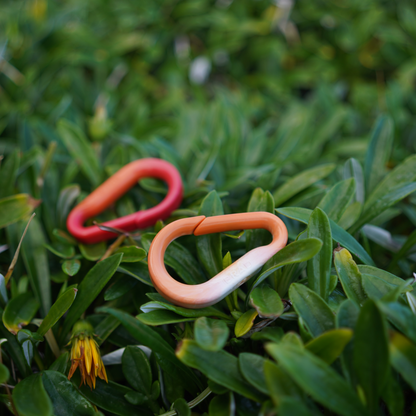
<point x="117" y="185"/>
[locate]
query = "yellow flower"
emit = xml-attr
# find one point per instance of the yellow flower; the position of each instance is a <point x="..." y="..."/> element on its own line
<point x="85" y="354"/>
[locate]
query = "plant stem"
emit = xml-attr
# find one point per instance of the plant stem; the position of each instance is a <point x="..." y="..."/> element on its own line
<point x="192" y="403"/>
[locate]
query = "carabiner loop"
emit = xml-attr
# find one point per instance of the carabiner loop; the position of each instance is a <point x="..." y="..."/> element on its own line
<point x="117" y="185"/>
<point x="217" y="288"/>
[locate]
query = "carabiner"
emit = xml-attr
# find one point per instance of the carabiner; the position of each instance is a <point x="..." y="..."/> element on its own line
<point x="113" y="188"/>
<point x="217" y="288"/>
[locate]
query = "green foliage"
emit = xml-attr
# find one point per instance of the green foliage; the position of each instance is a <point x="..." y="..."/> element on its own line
<point x="305" y="110"/>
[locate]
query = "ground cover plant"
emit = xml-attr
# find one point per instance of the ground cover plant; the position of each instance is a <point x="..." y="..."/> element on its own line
<point x="304" y="110"/>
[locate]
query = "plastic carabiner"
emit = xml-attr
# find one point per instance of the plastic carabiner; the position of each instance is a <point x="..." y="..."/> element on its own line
<point x="113" y="188"/>
<point x="217" y="288"/>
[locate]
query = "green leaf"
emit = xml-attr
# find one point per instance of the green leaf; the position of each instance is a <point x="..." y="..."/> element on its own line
<point x="279" y="383"/>
<point x="290" y="407"/>
<point x="109" y="396"/>
<point x="4" y="373"/>
<point x="353" y="169"/>
<point x="61" y="363"/>
<point x="371" y="354"/>
<point x="62" y="304"/>
<point x="317" y="379"/>
<point x="377" y="288"/>
<point x="135" y="398"/>
<point x="211" y="334"/>
<point x="79" y="148"/>
<point x="314" y="311"/>
<point x="209" y="247"/>
<point x="407" y="245"/>
<point x="93" y="252"/>
<point x="136" y="369"/>
<point x="296" y="252"/>
<point x="378" y="152"/>
<point x="349" y="275"/>
<point x="399" y="176"/>
<point x="393" y="396"/>
<point x="219" y="366"/>
<point x="403" y="357"/>
<point x="65" y="251"/>
<point x="66" y="401"/>
<point x="8" y="173"/>
<point x="180" y="259"/>
<point x="300" y="182"/>
<point x="189" y="313"/>
<point x="319" y="266"/>
<point x="119" y="288"/>
<point x="338" y="234"/>
<point x="401" y="317"/>
<point x="245" y="322"/>
<point x="266" y="302"/>
<point x="15" y="208"/>
<point x="223" y="405"/>
<point x="329" y="346"/>
<point x="89" y="289"/>
<point x="351" y="215"/>
<point x="37" y="265"/>
<point x="161" y="317"/>
<point x="251" y="367"/>
<point x="181" y="407"/>
<point x="137" y="270"/>
<point x="382" y="204"/>
<point x="31" y="399"/>
<point x="19" y="312"/>
<point x="71" y="267"/>
<point x="387" y="277"/>
<point x="67" y="198"/>
<point x="149" y="338"/>
<point x="131" y="254"/>
<point x="336" y="201"/>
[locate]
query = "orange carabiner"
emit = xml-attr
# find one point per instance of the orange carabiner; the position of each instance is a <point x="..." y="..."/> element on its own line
<point x="217" y="288"/>
<point x="113" y="188"/>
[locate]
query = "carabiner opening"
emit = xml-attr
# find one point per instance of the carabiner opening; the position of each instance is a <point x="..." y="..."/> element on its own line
<point x="217" y="288"/>
<point x="116" y="186"/>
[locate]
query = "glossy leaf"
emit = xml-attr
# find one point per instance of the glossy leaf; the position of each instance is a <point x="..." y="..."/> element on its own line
<point x="4" y="373"/>
<point x="181" y="407"/>
<point x="138" y="270"/>
<point x="136" y="369"/>
<point x="149" y="338"/>
<point x="252" y="369"/>
<point x="349" y="275"/>
<point x="353" y="169"/>
<point x="296" y="252"/>
<point x="219" y="366"/>
<point x="62" y="304"/>
<point x="314" y="311"/>
<point x="66" y="200"/>
<point x="8" y="173"/>
<point x="180" y="259"/>
<point x="403" y="357"/>
<point x="31" y="399"/>
<point x="89" y="289"/>
<point x="119" y="288"/>
<point x="37" y="265"/>
<point x="371" y="355"/>
<point x="338" y="234"/>
<point x="223" y="405"/>
<point x="161" y="317"/>
<point x="93" y="252"/>
<point x="109" y="396"/>
<point x="15" y="208"/>
<point x="336" y="201"/>
<point x="211" y="334"/>
<point x="66" y="401"/>
<point x="378" y="152"/>
<point x="64" y="251"/>
<point x="300" y="182"/>
<point x="71" y="267"/>
<point x="19" y="312"/>
<point x="131" y="254"/>
<point x="80" y="150"/>
<point x="245" y="322"/>
<point x="377" y="288"/>
<point x="387" y="277"/>
<point x="319" y="266"/>
<point x="317" y="379"/>
<point x="267" y="302"/>
<point x="329" y="346"/>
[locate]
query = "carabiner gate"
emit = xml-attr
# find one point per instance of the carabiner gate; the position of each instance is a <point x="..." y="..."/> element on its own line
<point x="117" y="185"/>
<point x="217" y="288"/>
